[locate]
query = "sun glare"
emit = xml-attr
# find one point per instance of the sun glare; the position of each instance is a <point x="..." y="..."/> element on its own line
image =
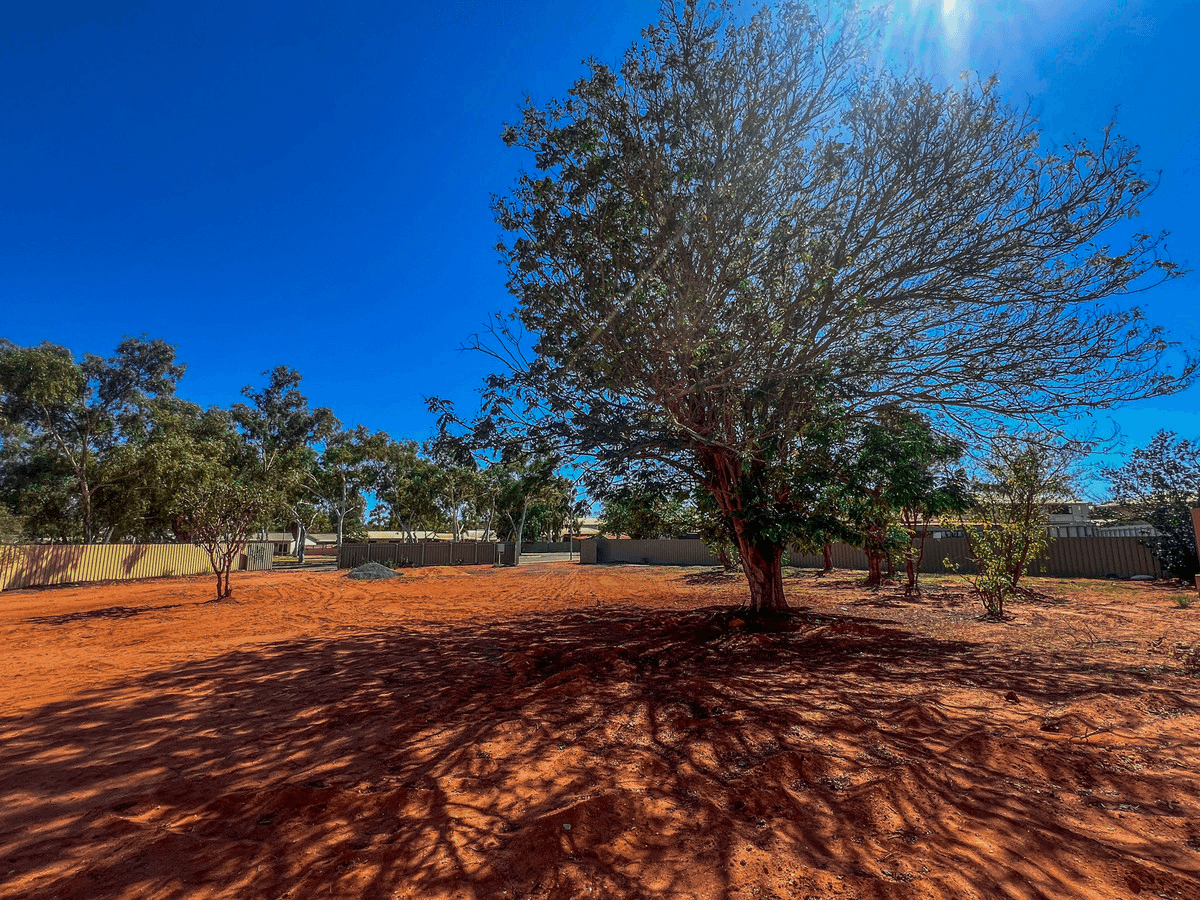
<point x="948" y="6"/>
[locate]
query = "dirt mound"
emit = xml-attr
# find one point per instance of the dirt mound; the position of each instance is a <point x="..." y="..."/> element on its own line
<point x="372" y="571"/>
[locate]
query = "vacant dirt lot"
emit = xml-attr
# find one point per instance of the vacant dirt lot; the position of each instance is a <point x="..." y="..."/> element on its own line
<point x="563" y="731"/>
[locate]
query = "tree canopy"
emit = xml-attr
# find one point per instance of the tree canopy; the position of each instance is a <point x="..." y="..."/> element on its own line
<point x="748" y="230"/>
<point x="1160" y="484"/>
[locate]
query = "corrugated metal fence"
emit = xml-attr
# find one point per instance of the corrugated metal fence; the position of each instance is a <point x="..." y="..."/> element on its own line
<point x="1072" y="557"/>
<point x="548" y="546"/>
<point x="428" y="553"/>
<point x="41" y="565"/>
<point x="45" y="564"/>
<point x="651" y="552"/>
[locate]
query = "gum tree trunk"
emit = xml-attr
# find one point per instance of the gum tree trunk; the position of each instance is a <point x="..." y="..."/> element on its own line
<point x="763" y="566"/>
<point x="827" y="557"/>
<point x="762" y="560"/>
<point x="874" y="567"/>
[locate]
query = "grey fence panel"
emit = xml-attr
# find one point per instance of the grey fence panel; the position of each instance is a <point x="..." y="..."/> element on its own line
<point x="259" y="556"/>
<point x="655" y="553"/>
<point x="426" y="553"/>
<point x="1069" y="557"/>
<point x="545" y="546"/>
<point x="939" y="551"/>
<point x="1097" y="557"/>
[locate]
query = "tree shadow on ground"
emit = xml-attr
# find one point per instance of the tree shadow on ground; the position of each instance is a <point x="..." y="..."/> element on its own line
<point x="635" y="754"/>
<point x="108" y="612"/>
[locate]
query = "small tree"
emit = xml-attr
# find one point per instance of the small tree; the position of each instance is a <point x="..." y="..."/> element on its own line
<point x="1160" y="484"/>
<point x="1011" y="511"/>
<point x="220" y="516"/>
<point x="924" y="483"/>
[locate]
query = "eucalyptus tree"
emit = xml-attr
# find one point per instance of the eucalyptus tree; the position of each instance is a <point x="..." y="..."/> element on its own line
<point x="183" y="445"/>
<point x="405" y="484"/>
<point x="63" y="423"/>
<point x="344" y="474"/>
<point x="748" y="222"/>
<point x="281" y="433"/>
<point x="457" y="482"/>
<point x="525" y="481"/>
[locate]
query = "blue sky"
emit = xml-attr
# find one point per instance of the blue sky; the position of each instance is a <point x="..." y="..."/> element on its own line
<point x="308" y="183"/>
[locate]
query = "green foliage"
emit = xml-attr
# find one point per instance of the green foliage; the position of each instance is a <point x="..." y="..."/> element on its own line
<point x="405" y="485"/>
<point x="1023" y="476"/>
<point x="281" y="433"/>
<point x="902" y="477"/>
<point x="11" y="526"/>
<point x="643" y="512"/>
<point x="458" y="480"/>
<point x="219" y="515"/>
<point x="343" y="473"/>
<point x="70" y="431"/>
<point x="747" y="227"/>
<point x="1160" y="484"/>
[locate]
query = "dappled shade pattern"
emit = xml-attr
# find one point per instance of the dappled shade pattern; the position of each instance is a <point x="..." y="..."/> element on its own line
<point x="615" y="734"/>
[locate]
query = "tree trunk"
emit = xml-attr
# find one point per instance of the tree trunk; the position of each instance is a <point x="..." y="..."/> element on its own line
<point x="914" y="556"/>
<point x="301" y="537"/>
<point x="874" y="567"/>
<point x="341" y="514"/>
<point x="764" y="571"/>
<point x="85" y="508"/>
<point x="827" y="557"/>
<point x="520" y="533"/>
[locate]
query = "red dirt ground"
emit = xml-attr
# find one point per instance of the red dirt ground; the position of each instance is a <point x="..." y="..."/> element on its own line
<point x="562" y="731"/>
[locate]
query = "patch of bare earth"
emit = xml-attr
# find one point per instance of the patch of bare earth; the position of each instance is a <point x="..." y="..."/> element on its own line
<point x="562" y="731"/>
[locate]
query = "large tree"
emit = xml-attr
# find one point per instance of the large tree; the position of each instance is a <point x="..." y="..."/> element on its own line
<point x="748" y="223"/>
<point x="406" y="486"/>
<point x="64" y="427"/>
<point x="281" y="432"/>
<point x="1160" y="484"/>
<point x="345" y="470"/>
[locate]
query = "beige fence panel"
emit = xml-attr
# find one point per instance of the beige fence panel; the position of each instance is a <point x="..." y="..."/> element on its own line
<point x="47" y="564"/>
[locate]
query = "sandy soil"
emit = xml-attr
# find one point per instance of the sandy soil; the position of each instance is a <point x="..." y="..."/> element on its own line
<point x="561" y="731"/>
